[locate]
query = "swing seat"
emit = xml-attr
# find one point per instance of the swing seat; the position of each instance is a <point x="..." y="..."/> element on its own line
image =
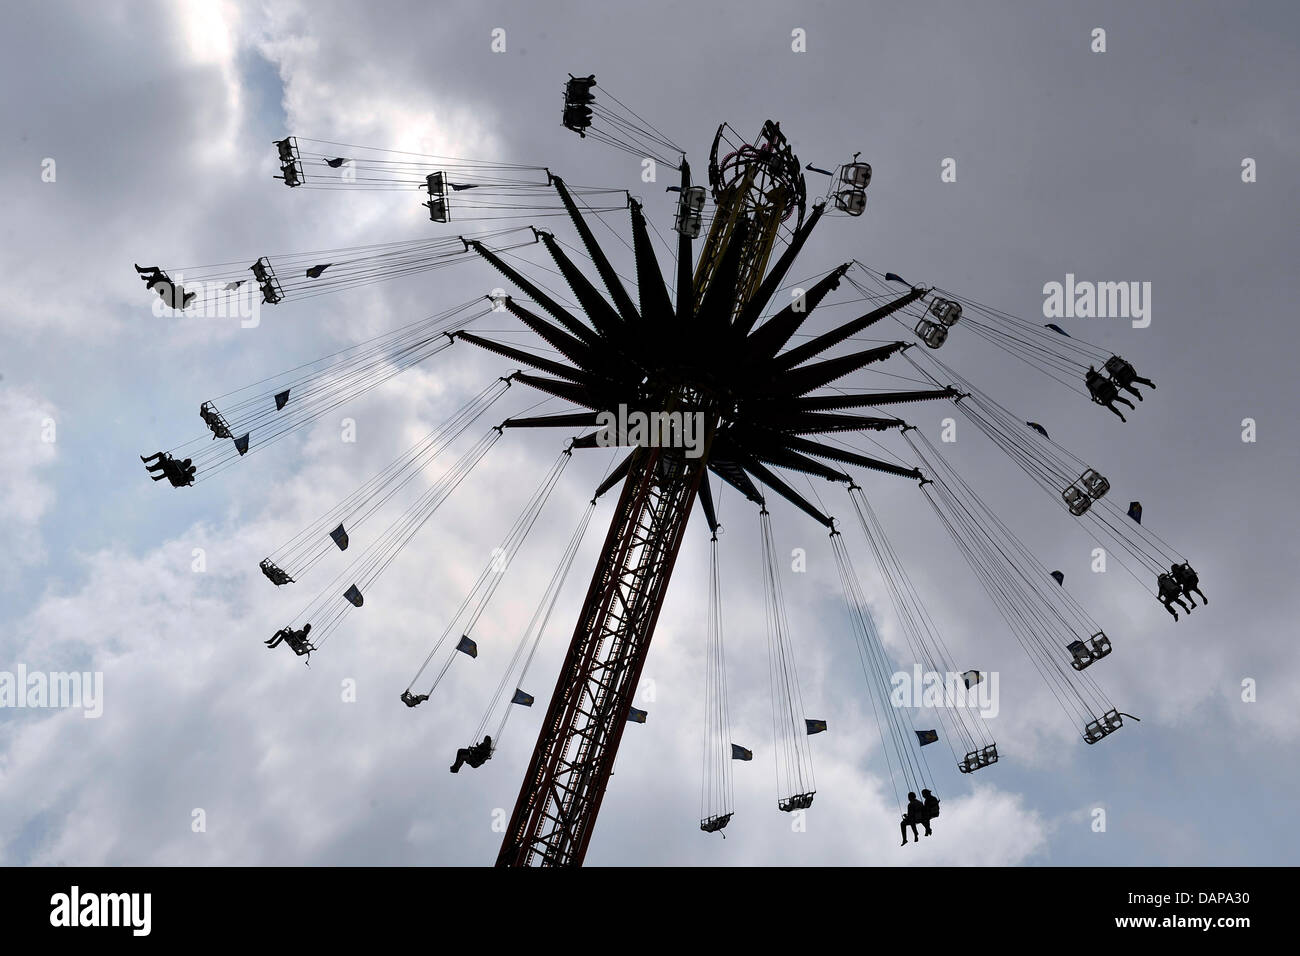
<point x="800" y="801"/>
<point x="931" y="334"/>
<point x="693" y="198"/>
<point x="690" y="212"/>
<point x="577" y="118"/>
<point x="715" y="823"/>
<point x="578" y="89"/>
<point x="266" y="280"/>
<point x="946" y="311"/>
<point x="215" y="421"/>
<point x="438" y="210"/>
<point x="851" y="201"/>
<point x="1103" y="726"/>
<point x="276" y="575"/>
<point x="856" y="175"/>
<point x="977" y="759"/>
<point x="1095" y="483"/>
<point x="1085" y="654"/>
<point x="1076" y="500"/>
<point x="436" y="185"/>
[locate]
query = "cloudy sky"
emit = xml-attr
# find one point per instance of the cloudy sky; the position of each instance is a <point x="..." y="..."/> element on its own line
<point x="1123" y="165"/>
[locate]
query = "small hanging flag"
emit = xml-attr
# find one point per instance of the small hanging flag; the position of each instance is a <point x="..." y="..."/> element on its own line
<point x="353" y="594"/>
<point x="1056" y="328"/>
<point x="281" y="399"/>
<point x="1040" y="429"/>
<point x="637" y="716"/>
<point x="1060" y="577"/>
<point x="241" y="444"/>
<point x="1135" y="511"/>
<point x="815" y="726"/>
<point x="740" y="753"/>
<point x="340" y="537"/>
<point x="894" y="277"/>
<point x="927" y="736"/>
<point x="335" y="163"/>
<point x="315" y="271"/>
<point x="971" y="678"/>
<point x="522" y="698"/>
<point x="231" y="286"/>
<point x="467" y="646"/>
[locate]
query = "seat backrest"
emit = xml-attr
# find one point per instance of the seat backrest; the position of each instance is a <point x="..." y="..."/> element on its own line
<point x="852" y="201"/>
<point x="857" y="175"/>
<point x="931" y="334"/>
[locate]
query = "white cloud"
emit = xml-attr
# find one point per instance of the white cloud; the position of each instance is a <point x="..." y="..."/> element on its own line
<point x="31" y="426"/>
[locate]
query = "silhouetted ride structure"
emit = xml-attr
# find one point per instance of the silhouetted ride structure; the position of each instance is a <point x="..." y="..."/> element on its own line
<point x="702" y="353"/>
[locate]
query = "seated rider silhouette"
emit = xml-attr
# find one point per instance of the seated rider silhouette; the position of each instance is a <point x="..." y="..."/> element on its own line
<point x="1123" y="374"/>
<point x="1188" y="580"/>
<point x="174" y="296"/>
<point x="475" y="756"/>
<point x="1170" y="592"/>
<point x="297" y="640"/>
<point x="1104" y="392"/>
<point x="931" y="809"/>
<point x="179" y="473"/>
<point x="915" y="814"/>
<point x="212" y="418"/>
<point x="156" y="462"/>
<point x="413" y="700"/>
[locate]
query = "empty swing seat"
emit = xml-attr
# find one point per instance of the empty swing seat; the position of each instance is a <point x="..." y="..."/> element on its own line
<point x="1076" y="500"/>
<point x="1095" y="483"/>
<point x="715" y="823"/>
<point x="690" y="212"/>
<point x="693" y="198"/>
<point x="436" y="185"/>
<point x="930" y="333"/>
<point x="856" y="175"/>
<point x="946" y="311"/>
<point x="979" y="758"/>
<point x="1103" y="726"/>
<point x="1084" y="654"/>
<point x="851" y="201"/>
<point x="800" y="801"/>
<point x="438" y="210"/>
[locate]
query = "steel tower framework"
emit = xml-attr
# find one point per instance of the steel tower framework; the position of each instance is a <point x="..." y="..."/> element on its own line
<point x="704" y="357"/>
